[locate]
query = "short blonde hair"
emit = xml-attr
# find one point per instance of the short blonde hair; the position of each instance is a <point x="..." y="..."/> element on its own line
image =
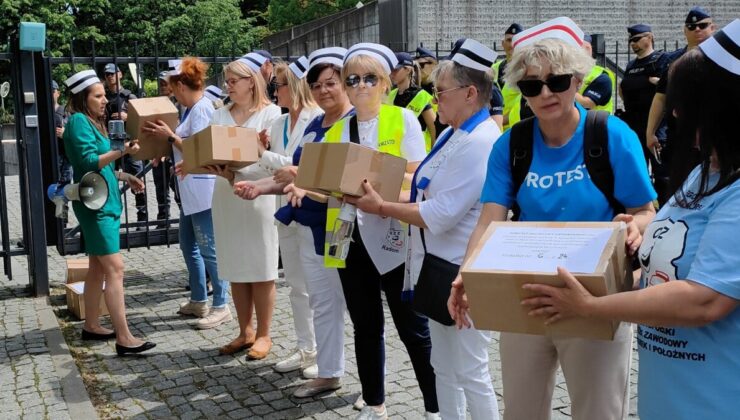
<point x="563" y="59"/>
<point x="259" y="93"/>
<point x="370" y="65"/>
<point x="299" y="90"/>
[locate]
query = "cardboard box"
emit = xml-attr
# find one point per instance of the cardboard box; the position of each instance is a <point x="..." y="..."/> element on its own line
<point x="77" y="270"/>
<point x="340" y="168"/>
<point x="141" y="111"/>
<point x="537" y="248"/>
<point x="235" y="147"/>
<point x="76" y="300"/>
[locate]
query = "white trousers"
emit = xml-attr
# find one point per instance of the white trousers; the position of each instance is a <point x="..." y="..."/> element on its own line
<point x="293" y="270"/>
<point x="596" y="373"/>
<point x="327" y="302"/>
<point x="460" y="361"/>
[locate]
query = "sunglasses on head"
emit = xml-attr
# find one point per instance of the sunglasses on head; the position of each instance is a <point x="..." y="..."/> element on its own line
<point x="556" y="84"/>
<point x="353" y="80"/>
<point x="636" y="38"/>
<point x="701" y="25"/>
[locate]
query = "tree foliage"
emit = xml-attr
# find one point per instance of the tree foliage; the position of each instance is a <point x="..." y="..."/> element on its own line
<point x="283" y="14"/>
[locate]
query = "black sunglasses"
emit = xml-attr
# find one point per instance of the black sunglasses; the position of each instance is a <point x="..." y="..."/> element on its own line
<point x="702" y="26"/>
<point x="353" y="80"/>
<point x="636" y="38"/>
<point x="556" y="84"/>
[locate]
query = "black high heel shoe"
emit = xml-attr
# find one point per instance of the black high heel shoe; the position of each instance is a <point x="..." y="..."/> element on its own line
<point x="123" y="350"/>
<point x="88" y="336"/>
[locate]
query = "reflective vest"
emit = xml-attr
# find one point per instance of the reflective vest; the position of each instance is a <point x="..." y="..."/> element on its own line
<point x="511" y="97"/>
<point x="417" y="105"/>
<point x="391" y="130"/>
<point x="596" y="72"/>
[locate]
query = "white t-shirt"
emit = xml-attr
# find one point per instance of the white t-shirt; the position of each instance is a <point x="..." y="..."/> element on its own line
<point x="195" y="190"/>
<point x="385" y="238"/>
<point x="451" y="205"/>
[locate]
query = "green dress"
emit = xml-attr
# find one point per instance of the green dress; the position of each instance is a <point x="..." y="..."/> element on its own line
<point x="83" y="144"/>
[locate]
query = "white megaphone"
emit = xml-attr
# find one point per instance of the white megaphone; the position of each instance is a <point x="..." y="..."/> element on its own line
<point x="91" y="191"/>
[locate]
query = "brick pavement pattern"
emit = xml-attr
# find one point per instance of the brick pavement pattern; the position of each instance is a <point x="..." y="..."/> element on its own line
<point x="184" y="377"/>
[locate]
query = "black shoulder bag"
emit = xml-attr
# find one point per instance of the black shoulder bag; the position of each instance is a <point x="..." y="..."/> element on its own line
<point x="433" y="287"/>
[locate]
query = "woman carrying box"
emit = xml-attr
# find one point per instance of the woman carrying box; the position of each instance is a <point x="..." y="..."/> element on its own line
<point x="443" y="210"/>
<point x="246" y="235"/>
<point x="690" y="282"/>
<point x="324" y="288"/>
<point x="187" y="82"/>
<point x="88" y="150"/>
<point x="547" y="66"/>
<point x="375" y="261"/>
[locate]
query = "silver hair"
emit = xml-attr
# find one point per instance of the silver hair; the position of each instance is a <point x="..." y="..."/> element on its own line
<point x="465" y="76"/>
<point x="563" y="59"/>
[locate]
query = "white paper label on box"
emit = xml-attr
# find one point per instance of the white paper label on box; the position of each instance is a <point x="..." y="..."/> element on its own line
<point x="543" y="249"/>
<point x="79" y="288"/>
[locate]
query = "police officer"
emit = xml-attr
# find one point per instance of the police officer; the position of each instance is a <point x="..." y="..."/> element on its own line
<point x="640" y="77"/>
<point x="698" y="26"/>
<point x="597" y="88"/>
<point x="511" y="98"/>
<point x="60" y="119"/>
<point x="427" y="62"/>
<point x="267" y="74"/>
<point x="117" y="109"/>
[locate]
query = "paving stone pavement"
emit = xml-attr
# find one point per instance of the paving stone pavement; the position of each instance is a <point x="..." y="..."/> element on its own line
<point x="184" y="377"/>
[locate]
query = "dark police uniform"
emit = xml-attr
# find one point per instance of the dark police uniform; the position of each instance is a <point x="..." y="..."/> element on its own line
<point x="117" y="103"/>
<point x="638" y="92"/>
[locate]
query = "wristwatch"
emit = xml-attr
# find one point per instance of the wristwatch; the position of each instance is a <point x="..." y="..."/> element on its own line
<point x="171" y="139"/>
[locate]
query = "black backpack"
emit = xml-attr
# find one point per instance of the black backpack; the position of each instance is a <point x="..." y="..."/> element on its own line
<point x="595" y="156"/>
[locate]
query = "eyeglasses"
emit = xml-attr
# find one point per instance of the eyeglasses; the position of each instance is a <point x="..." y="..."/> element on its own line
<point x="423" y="64"/>
<point x="353" y="80"/>
<point x="232" y="82"/>
<point x="437" y="93"/>
<point x="556" y="84"/>
<point x="329" y="84"/>
<point x="636" y="38"/>
<point x="700" y="25"/>
<point x="279" y="85"/>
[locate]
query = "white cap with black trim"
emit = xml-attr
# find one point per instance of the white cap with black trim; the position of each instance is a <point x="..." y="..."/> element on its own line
<point x="724" y="47"/>
<point x="173" y="67"/>
<point x="299" y="67"/>
<point x="383" y="54"/>
<point x="253" y="60"/>
<point x="562" y="28"/>
<point x="213" y="93"/>
<point x="80" y="80"/>
<point x="474" y="55"/>
<point x="330" y="55"/>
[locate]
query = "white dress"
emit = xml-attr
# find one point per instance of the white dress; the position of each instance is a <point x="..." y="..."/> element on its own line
<point x="246" y="235"/>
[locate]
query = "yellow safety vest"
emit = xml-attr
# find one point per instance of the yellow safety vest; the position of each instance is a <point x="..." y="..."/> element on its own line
<point x="417" y="105"/>
<point x="511" y="97"/>
<point x="596" y="72"/>
<point x="391" y="130"/>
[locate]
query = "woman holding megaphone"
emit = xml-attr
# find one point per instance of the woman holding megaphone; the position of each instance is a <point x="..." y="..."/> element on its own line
<point x="88" y="149"/>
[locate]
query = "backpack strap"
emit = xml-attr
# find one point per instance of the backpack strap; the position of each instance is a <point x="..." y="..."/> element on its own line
<point x="354" y="132"/>
<point x="596" y="157"/>
<point x="520" y="156"/>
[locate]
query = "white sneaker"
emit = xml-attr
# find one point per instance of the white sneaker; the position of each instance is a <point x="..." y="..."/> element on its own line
<point x="372" y="413"/>
<point x="215" y="317"/>
<point x="359" y="403"/>
<point x="199" y="309"/>
<point x="300" y="359"/>
<point x="432" y="416"/>
<point x="311" y="372"/>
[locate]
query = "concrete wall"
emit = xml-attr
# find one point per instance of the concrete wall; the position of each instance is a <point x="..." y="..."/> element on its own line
<point x="444" y="21"/>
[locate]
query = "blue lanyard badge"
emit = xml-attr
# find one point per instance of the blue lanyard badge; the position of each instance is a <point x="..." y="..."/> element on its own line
<point x="469" y="125"/>
<point x="285" y="134"/>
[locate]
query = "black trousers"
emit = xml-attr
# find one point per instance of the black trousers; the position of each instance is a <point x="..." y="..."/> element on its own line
<point x="133" y="167"/>
<point x="362" y="285"/>
<point x="163" y="182"/>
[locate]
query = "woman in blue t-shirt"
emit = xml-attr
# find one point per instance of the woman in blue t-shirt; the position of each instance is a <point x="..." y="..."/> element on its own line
<point x="548" y="70"/>
<point x="687" y="303"/>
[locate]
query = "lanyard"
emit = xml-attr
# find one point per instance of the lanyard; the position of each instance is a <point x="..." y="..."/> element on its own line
<point x="285" y="134"/>
<point x="469" y="125"/>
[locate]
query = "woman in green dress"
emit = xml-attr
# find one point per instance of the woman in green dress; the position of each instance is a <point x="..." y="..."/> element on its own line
<point x="89" y="150"/>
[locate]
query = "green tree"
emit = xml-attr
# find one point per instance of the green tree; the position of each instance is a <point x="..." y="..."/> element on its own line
<point x="283" y="14"/>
